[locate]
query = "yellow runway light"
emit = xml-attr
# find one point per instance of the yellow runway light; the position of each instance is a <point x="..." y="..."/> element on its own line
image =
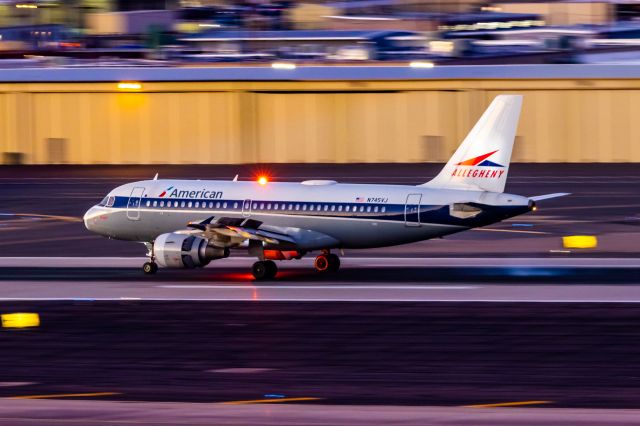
<point x="579" y="242"/>
<point x="20" y="320"/>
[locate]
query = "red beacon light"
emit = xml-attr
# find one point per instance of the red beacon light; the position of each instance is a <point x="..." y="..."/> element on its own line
<point x="262" y="180"/>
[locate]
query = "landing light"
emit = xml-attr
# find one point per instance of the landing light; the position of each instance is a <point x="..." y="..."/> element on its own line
<point x="129" y="85"/>
<point x="262" y="180"/>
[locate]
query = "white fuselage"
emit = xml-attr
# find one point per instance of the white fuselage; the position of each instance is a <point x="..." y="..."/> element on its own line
<point x="318" y="214"/>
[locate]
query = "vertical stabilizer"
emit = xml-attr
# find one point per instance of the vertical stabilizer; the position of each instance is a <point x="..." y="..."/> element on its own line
<point x="482" y="160"/>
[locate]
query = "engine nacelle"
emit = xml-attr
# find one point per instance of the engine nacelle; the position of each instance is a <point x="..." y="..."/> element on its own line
<point x="185" y="251"/>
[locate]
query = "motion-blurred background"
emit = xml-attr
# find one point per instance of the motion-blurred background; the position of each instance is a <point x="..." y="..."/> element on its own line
<point x="377" y="81"/>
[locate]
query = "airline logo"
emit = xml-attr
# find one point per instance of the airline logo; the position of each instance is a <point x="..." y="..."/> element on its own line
<point x="165" y="191"/>
<point x="479" y="167"/>
<point x="173" y="192"/>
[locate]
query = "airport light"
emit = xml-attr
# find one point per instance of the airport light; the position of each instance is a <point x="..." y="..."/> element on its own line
<point x="283" y="66"/>
<point x="27" y="6"/>
<point x="263" y="180"/>
<point x="20" y="320"/>
<point x="129" y="85"/>
<point x="580" y="242"/>
<point x="421" y="64"/>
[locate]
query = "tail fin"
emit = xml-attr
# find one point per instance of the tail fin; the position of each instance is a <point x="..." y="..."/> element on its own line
<point x="482" y="160"/>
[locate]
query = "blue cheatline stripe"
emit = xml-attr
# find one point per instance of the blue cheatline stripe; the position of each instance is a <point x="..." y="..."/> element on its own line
<point x="392" y="213"/>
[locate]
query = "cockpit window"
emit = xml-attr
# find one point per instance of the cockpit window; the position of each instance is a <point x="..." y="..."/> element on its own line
<point x="108" y="201"/>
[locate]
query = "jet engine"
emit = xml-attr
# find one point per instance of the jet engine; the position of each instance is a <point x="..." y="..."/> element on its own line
<point x="185" y="251"/>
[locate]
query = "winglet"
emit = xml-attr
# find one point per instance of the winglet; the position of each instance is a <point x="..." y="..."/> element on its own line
<point x="235" y="179"/>
<point x="155" y="177"/>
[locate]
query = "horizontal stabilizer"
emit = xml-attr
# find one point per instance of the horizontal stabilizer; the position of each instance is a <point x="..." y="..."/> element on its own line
<point x="549" y="196"/>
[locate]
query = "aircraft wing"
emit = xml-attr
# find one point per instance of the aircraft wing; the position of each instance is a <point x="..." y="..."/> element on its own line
<point x="242" y="229"/>
<point x="549" y="196"/>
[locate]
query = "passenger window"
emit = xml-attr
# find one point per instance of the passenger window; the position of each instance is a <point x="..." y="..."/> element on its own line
<point x="261" y="206"/>
<point x="218" y="205"/>
<point x="182" y="204"/>
<point x="290" y="206"/>
<point x="326" y="207"/>
<point x="348" y="208"/>
<point x="148" y="203"/>
<point x="161" y="203"/>
<point x="311" y="207"/>
<point x="368" y="209"/>
<point x="333" y="208"/>
<point x="384" y="209"/>
<point x="197" y="204"/>
<point x="224" y="205"/>
<point x="155" y="203"/>
<point x="204" y="205"/>
<point x="304" y="207"/>
<point x="361" y="208"/>
<point x="375" y="209"/>
<point x="297" y="206"/>
<point x="255" y="206"/>
<point x="340" y="208"/>
<point x="235" y="205"/>
<point x="190" y="204"/>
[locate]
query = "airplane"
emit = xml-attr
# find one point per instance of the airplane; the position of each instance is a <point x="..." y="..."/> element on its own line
<point x="189" y="223"/>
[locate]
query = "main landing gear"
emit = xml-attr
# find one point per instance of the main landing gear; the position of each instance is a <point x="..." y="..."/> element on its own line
<point x="264" y="270"/>
<point x="267" y="269"/>
<point x="327" y="262"/>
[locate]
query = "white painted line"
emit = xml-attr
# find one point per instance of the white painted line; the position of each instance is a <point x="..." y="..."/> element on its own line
<point x="251" y="287"/>
<point x="372" y="300"/>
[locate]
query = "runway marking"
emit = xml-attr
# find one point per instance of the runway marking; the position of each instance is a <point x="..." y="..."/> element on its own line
<point x="317" y="287"/>
<point x="45" y="216"/>
<point x="514" y="231"/>
<point x="508" y="404"/>
<point x="40" y="240"/>
<point x="64" y="395"/>
<point x="268" y="401"/>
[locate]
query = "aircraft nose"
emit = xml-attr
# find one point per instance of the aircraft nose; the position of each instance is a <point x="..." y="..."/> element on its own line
<point x="91" y="217"/>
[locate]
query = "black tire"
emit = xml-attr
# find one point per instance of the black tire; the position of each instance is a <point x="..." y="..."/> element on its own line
<point x="272" y="269"/>
<point x="322" y="264"/>
<point x="260" y="271"/>
<point x="334" y="262"/>
<point x="149" y="268"/>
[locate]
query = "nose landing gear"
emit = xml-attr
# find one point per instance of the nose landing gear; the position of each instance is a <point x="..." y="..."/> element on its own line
<point x="150" y="268"/>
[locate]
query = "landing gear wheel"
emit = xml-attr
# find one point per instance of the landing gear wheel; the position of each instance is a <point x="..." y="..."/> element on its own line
<point x="322" y="263"/>
<point x="334" y="262"/>
<point x="150" y="268"/>
<point x="327" y="263"/>
<point x="264" y="270"/>
<point x="272" y="269"/>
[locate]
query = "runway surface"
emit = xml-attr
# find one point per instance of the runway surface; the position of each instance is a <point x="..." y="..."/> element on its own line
<point x="581" y="355"/>
<point x="43" y="205"/>
<point x="359" y="280"/>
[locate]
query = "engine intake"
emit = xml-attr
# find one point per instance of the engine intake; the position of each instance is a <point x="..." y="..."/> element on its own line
<point x="185" y="251"/>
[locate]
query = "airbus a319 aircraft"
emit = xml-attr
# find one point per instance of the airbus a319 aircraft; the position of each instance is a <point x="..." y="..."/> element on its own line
<point x="189" y="223"/>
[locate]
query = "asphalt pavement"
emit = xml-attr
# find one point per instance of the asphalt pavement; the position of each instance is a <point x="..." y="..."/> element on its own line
<point x="337" y="353"/>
